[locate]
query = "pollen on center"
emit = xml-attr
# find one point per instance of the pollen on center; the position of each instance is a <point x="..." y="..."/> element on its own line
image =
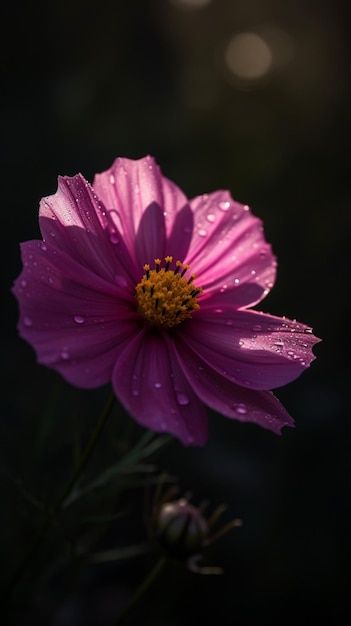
<point x="165" y="296"/>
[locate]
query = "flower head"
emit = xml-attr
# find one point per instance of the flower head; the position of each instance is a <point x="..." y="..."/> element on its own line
<point x="182" y="531"/>
<point x="136" y="284"/>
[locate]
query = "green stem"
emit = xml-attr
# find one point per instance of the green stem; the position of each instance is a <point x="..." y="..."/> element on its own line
<point x="141" y="591"/>
<point x="52" y="514"/>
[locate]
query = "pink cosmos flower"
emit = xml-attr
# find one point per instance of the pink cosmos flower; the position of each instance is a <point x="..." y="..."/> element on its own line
<point x="135" y="284"/>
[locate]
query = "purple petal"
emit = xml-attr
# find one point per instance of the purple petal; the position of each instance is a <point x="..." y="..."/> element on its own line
<point x="74" y="221"/>
<point x="252" y="349"/>
<point x="128" y="189"/>
<point x="228" y="249"/>
<point x="151" y="385"/>
<point x="149" y="243"/>
<point x="75" y="320"/>
<point x="229" y="399"/>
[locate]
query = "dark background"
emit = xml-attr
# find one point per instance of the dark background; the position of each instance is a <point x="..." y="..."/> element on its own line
<point x="84" y="82"/>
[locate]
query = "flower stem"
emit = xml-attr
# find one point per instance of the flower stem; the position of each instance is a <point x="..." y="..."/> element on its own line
<point x="141" y="591"/>
<point x="54" y="511"/>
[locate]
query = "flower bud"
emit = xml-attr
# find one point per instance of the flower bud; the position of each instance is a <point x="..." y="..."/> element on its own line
<point x="181" y="529"/>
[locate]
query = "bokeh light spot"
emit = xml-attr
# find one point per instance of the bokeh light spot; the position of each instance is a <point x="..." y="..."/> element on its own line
<point x="248" y="56"/>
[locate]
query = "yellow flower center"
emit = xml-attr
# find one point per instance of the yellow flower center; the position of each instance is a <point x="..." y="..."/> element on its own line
<point x="165" y="297"/>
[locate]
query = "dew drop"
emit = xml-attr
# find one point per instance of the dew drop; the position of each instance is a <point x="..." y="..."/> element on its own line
<point x="112" y="179"/>
<point x="135" y="393"/>
<point x="43" y="246"/>
<point x="27" y="321"/>
<point x="257" y="327"/>
<point x="79" y="319"/>
<point x="211" y="217"/>
<point x="182" y="399"/>
<point x="277" y="347"/>
<point x="240" y="409"/>
<point x="23" y="283"/>
<point x="64" y="354"/>
<point x="241" y="342"/>
<point x="224" y="206"/>
<point x="157" y="385"/>
<point x="236" y="281"/>
<point x="114" y="238"/>
<point x="202" y="232"/>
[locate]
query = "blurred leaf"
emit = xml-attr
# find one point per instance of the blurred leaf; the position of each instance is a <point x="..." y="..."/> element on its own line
<point x="118" y="554"/>
<point x="97" y="519"/>
<point x="128" y="464"/>
<point x="27" y="495"/>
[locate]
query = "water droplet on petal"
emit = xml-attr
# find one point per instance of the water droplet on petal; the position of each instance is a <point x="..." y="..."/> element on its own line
<point x="240" y="409"/>
<point x="24" y="283"/>
<point x="112" y="179"/>
<point x="64" y="354"/>
<point x="135" y="393"/>
<point x="79" y="319"/>
<point x="202" y="232"/>
<point x="43" y="246"/>
<point x="157" y="385"/>
<point x="182" y="399"/>
<point x="211" y="217"/>
<point x="257" y="327"/>
<point x="114" y="238"/>
<point x="27" y="321"/>
<point x="224" y="206"/>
